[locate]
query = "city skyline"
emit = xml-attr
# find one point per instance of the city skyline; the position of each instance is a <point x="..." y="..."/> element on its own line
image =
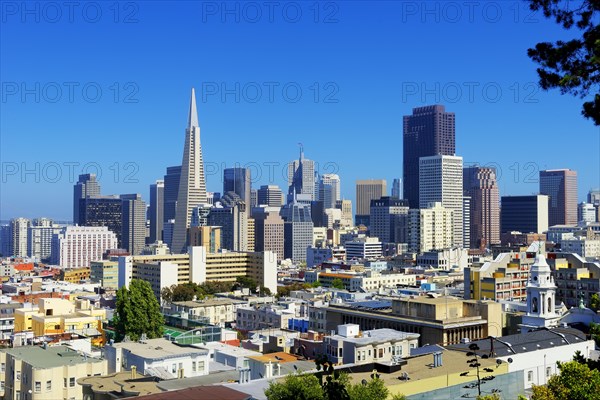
<point x="362" y="102"/>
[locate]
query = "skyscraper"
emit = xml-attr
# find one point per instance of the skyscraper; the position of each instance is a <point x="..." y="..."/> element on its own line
<point x="86" y="186"/>
<point x="171" y="191"/>
<point x="39" y="239"/>
<point x="268" y="230"/>
<point x="77" y="246"/>
<point x="18" y="228"/>
<point x="481" y="185"/>
<point x="329" y="190"/>
<point x="367" y="190"/>
<point x="269" y="195"/>
<point x="301" y="177"/>
<point x="441" y="180"/>
<point x="525" y="214"/>
<point x="429" y="131"/>
<point x="388" y="220"/>
<point x="133" y="223"/>
<point x="156" y="210"/>
<point x="103" y="211"/>
<point x="232" y="216"/>
<point x="298" y="231"/>
<point x="593" y="197"/>
<point x="192" y="185"/>
<point x="397" y="188"/>
<point x="430" y="228"/>
<point x="560" y="185"/>
<point x="238" y="180"/>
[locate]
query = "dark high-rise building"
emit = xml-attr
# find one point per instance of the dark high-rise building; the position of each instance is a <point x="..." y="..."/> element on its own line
<point x="389" y="220"/>
<point x="367" y="190"/>
<point x="133" y="223"/>
<point x="560" y="185"/>
<point x="480" y="184"/>
<point x="231" y="215"/>
<point x="86" y="186"/>
<point x="429" y="131"/>
<point x="317" y="212"/>
<point x="103" y="211"/>
<point x="156" y="210"/>
<point x="525" y="214"/>
<point x="268" y="230"/>
<point x="237" y="180"/>
<point x="397" y="188"/>
<point x="171" y="191"/>
<point x="269" y="195"/>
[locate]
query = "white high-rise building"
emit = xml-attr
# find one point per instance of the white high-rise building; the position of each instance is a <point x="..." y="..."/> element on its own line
<point x="430" y="228"/>
<point x="301" y="177"/>
<point x="39" y="239"/>
<point x="441" y="180"/>
<point x="586" y="212"/>
<point x="192" y="184"/>
<point x="77" y="246"/>
<point x="18" y="228"/>
<point x="329" y="190"/>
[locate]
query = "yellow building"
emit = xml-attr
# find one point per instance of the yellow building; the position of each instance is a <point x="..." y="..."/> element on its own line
<point x="74" y="275"/>
<point x="51" y="373"/>
<point x="56" y="316"/>
<point x="504" y="278"/>
<point x="207" y="236"/>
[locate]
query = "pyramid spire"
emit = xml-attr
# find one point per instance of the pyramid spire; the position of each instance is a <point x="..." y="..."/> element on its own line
<point x="193" y="115"/>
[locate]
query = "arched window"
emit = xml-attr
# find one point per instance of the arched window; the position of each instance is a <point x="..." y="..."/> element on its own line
<point x="534" y="304"/>
<point x="549" y="304"/>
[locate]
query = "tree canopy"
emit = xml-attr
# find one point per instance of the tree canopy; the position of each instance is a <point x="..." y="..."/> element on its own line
<point x="576" y="381"/>
<point x="572" y="66"/>
<point x="137" y="312"/>
<point x="337" y="283"/>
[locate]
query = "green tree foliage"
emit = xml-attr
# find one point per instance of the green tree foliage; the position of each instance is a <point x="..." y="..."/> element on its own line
<point x="595" y="332"/>
<point x="328" y="384"/>
<point x="573" y="66"/>
<point x="137" y="311"/>
<point x="337" y="283"/>
<point x="284" y="291"/>
<point x="295" y="387"/>
<point x="316" y="284"/>
<point x="576" y="381"/>
<point x="595" y="302"/>
<point x="246" y="282"/>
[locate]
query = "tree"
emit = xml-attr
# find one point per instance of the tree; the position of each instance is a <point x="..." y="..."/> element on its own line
<point x="572" y="66"/>
<point x="337" y="283"/>
<point x="294" y="387"/>
<point x="595" y="332"/>
<point x="371" y="390"/>
<point x="576" y="381"/>
<point x="595" y="302"/>
<point x="137" y="312"/>
<point x="316" y="284"/>
<point x="247" y="282"/>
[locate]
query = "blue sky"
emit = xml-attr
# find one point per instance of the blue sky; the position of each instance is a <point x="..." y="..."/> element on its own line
<point x="107" y="88"/>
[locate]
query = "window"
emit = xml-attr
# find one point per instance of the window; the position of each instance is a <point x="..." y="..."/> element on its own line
<point x="193" y="366"/>
<point x="529" y="376"/>
<point x="18" y="395"/>
<point x="72" y="381"/>
<point x="65" y="382"/>
<point x="18" y="375"/>
<point x="2" y="367"/>
<point x="1" y="385"/>
<point x="174" y="368"/>
<point x="548" y="372"/>
<point x="38" y="386"/>
<point x="201" y="365"/>
<point x="48" y="385"/>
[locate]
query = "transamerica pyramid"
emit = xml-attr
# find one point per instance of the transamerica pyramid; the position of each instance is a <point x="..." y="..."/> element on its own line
<point x="192" y="185"/>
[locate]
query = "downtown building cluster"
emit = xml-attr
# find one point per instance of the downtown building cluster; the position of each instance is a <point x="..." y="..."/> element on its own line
<point x="389" y="283"/>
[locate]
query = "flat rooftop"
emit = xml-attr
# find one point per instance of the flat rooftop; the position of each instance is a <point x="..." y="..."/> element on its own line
<point x="229" y="349"/>
<point x="50" y="357"/>
<point x="208" y="303"/>
<point x="157" y="348"/>
<point x="376" y="336"/>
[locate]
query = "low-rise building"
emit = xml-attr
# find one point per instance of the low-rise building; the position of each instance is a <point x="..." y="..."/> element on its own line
<point x="215" y="311"/>
<point x="157" y="357"/>
<point x="575" y="278"/>
<point x="586" y="248"/>
<point x="269" y="316"/>
<point x="369" y="280"/>
<point x="74" y="275"/>
<point x="45" y="373"/>
<point x="54" y="316"/>
<point x="353" y="346"/>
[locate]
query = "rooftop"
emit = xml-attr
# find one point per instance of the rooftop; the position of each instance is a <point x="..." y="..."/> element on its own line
<point x="50" y="357"/>
<point x="377" y="335"/>
<point x="157" y="348"/>
<point x="230" y="350"/>
<point x="526" y="342"/>
<point x="200" y="392"/>
<point x="120" y="382"/>
<point x="208" y="303"/>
